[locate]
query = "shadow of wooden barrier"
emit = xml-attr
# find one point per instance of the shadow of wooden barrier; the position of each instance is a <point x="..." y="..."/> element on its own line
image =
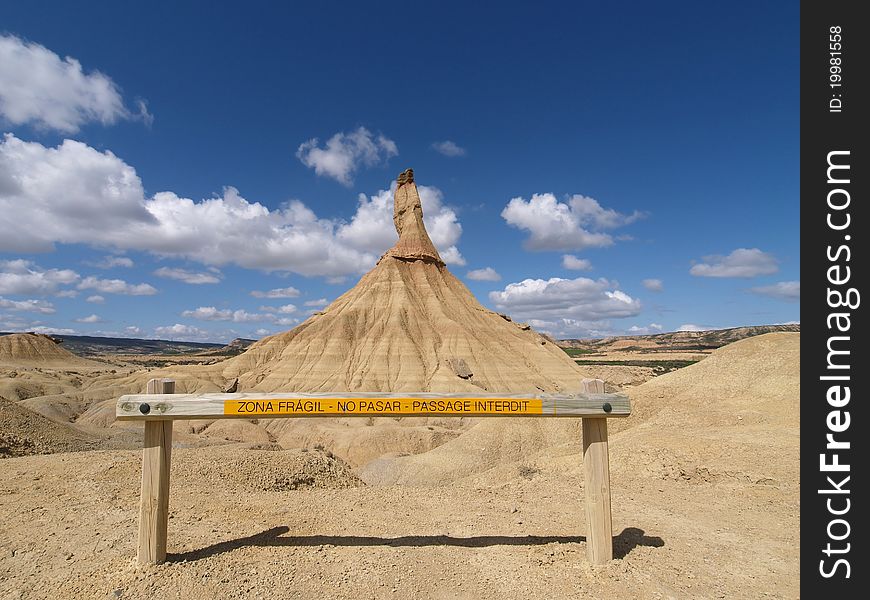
<point x="160" y="406"/>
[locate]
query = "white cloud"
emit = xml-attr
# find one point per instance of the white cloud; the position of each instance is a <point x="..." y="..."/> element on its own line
<point x="790" y="291"/>
<point x="693" y="327"/>
<point x="345" y="153"/>
<point x="116" y="286"/>
<point x="452" y="256"/>
<point x="179" y="331"/>
<point x="37" y="87"/>
<point x="66" y="294"/>
<point x="243" y="316"/>
<point x="210" y="313"/>
<point x="95" y="299"/>
<point x="573" y="328"/>
<point x="579" y="299"/>
<point x="186" y="276"/>
<point x="36" y="306"/>
<point x="132" y="330"/>
<point x="75" y="194"/>
<point x="318" y="302"/>
<point x="90" y="319"/>
<point x="111" y="262"/>
<point x="742" y="262"/>
<point x="485" y="274"/>
<point x="554" y="225"/>
<point x="262" y="332"/>
<point x="372" y="231"/>
<point x="284" y="310"/>
<point x="569" y="261"/>
<point x="287" y="292"/>
<point x="653" y="285"/>
<point x="23" y="277"/>
<point x="68" y="194"/>
<point x="52" y="330"/>
<point x="448" y="148"/>
<point x="645" y="329"/>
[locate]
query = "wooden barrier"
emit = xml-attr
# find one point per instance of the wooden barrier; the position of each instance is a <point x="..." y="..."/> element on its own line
<point x="160" y="406"/>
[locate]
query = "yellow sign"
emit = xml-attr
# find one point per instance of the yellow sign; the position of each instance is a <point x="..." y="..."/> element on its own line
<point x="382" y="406"/>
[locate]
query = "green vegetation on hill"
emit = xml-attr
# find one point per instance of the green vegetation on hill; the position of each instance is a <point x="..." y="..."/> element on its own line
<point x="660" y="366"/>
<point x="578" y="351"/>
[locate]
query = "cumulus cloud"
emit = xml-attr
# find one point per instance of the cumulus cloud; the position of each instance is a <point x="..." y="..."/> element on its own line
<point x="555" y="298"/>
<point x="210" y="313"/>
<point x="23" y="277"/>
<point x="573" y="328"/>
<point x="653" y="285"/>
<point x="345" y="153"/>
<point x="371" y="230"/>
<point x="75" y="194"/>
<point x="116" y="286"/>
<point x="790" y="291"/>
<point x="569" y="261"/>
<point x="90" y="319"/>
<point x="111" y="262"/>
<point x="287" y="292"/>
<point x="36" y="306"/>
<point x="284" y="310"/>
<point x="572" y="225"/>
<point x="645" y="329"/>
<point x="693" y="327"/>
<point x="742" y="262"/>
<point x="48" y="330"/>
<point x="38" y="87"/>
<point x="448" y="148"/>
<point x="485" y="274"/>
<point x="452" y="256"/>
<point x="191" y="277"/>
<point x="318" y="302"/>
<point x="68" y="194"/>
<point x="180" y="331"/>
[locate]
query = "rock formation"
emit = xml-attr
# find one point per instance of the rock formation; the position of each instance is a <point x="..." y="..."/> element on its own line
<point x="408" y="325"/>
<point x="37" y="349"/>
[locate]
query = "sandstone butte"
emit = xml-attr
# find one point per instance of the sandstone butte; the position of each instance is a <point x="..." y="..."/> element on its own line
<point x="407" y="325"/>
<point x="35" y="349"/>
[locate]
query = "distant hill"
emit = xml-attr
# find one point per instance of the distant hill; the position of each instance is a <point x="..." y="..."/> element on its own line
<point x="36" y="349"/>
<point x="683" y="341"/>
<point x="237" y="346"/>
<point x="86" y="345"/>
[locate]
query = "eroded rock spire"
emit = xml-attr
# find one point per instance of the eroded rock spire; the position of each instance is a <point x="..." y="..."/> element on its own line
<point x="414" y="242"/>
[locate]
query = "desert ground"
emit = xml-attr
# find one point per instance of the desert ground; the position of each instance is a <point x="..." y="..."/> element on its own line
<point x="704" y="478"/>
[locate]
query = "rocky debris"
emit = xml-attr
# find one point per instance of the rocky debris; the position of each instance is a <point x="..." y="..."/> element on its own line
<point x="460" y="367"/>
<point x="263" y="470"/>
<point x="24" y="432"/>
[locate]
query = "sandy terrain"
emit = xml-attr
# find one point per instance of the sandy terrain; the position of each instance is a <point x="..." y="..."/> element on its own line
<point x="705" y="504"/>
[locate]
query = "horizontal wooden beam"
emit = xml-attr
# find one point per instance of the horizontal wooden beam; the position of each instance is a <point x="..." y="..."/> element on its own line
<point x="145" y="407"/>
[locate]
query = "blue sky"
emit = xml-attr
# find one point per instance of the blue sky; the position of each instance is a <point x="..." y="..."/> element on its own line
<point x="591" y="169"/>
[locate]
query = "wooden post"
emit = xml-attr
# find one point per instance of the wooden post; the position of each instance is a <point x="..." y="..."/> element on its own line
<point x="596" y="466"/>
<point x="154" y="502"/>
